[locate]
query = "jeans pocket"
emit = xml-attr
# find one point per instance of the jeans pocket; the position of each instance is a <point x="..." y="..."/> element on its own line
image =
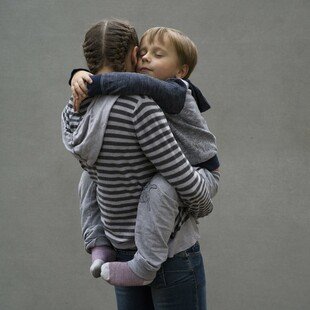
<point x="197" y="266"/>
<point x="174" y="271"/>
<point x="175" y="277"/>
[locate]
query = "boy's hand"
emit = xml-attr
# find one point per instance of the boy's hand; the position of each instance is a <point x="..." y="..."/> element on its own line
<point x="77" y="103"/>
<point x="79" y="87"/>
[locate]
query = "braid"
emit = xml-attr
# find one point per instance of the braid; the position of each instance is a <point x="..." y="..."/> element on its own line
<point x="107" y="44"/>
<point x="93" y="47"/>
<point x="119" y="37"/>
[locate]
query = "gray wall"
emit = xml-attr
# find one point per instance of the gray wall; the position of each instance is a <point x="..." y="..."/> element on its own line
<point x="253" y="68"/>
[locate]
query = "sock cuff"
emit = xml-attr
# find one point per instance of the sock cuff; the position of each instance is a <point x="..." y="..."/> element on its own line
<point x="104" y="253"/>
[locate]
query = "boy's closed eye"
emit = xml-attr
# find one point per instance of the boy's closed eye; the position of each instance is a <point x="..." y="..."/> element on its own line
<point x="159" y="55"/>
<point x="141" y="53"/>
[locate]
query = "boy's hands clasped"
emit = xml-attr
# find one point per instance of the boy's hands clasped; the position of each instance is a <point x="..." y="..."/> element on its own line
<point x="79" y="88"/>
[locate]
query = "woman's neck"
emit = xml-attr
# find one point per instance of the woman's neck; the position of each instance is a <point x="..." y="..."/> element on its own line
<point x="105" y="69"/>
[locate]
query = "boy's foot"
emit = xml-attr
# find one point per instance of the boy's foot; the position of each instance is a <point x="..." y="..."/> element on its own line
<point x="95" y="268"/>
<point x="101" y="255"/>
<point x="119" y="274"/>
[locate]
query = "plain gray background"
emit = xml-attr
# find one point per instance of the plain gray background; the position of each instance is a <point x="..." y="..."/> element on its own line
<point x="254" y="69"/>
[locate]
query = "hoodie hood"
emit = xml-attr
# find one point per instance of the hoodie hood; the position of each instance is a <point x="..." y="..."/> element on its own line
<point x="86" y="141"/>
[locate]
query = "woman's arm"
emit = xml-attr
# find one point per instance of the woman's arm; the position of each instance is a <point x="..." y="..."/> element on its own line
<point x="160" y="147"/>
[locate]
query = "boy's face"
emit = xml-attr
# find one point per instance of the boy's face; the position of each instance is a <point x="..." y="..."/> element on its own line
<point x="159" y="59"/>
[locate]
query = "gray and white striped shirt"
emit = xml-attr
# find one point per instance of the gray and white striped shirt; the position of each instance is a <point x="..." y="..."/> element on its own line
<point x="137" y="144"/>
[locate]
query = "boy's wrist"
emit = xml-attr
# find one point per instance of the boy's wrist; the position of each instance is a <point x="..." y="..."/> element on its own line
<point x="94" y="88"/>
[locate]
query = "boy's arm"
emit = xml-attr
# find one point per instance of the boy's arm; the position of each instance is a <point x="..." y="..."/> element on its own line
<point x="160" y="147"/>
<point x="81" y="77"/>
<point x="169" y="95"/>
<point x="92" y="228"/>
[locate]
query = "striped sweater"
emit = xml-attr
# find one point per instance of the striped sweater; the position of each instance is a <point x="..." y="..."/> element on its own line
<point x="137" y="144"/>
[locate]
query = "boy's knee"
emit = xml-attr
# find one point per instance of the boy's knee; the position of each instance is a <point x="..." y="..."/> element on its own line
<point x="163" y="187"/>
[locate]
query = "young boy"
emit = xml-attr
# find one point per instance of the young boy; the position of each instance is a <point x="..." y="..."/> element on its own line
<point x="170" y="56"/>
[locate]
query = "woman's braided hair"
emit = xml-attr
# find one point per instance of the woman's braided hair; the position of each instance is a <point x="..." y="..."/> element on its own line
<point x="107" y="44"/>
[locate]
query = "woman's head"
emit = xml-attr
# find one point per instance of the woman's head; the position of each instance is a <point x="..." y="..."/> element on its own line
<point x="108" y="44"/>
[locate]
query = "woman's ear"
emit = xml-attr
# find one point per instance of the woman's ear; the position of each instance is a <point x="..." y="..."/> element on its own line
<point x="134" y="56"/>
<point x="183" y="70"/>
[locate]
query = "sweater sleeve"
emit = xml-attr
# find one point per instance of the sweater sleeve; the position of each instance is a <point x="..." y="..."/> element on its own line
<point x="160" y="147"/>
<point x="169" y="95"/>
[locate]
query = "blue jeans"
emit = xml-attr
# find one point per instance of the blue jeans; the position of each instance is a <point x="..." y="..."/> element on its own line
<point x="180" y="284"/>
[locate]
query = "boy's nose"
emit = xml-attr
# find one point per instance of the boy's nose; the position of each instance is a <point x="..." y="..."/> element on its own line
<point x="146" y="57"/>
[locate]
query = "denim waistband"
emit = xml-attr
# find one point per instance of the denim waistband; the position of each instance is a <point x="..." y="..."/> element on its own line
<point x="193" y="249"/>
<point x="126" y="252"/>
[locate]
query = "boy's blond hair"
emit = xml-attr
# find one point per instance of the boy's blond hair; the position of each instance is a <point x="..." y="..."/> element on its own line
<point x="185" y="47"/>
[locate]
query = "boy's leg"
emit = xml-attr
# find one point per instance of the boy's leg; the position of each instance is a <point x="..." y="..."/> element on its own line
<point x="158" y="207"/>
<point x="99" y="256"/>
<point x="157" y="210"/>
<point x="95" y="240"/>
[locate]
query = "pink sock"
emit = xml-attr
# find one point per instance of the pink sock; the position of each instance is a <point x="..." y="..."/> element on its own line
<point x="99" y="256"/>
<point x="105" y="253"/>
<point x="119" y="274"/>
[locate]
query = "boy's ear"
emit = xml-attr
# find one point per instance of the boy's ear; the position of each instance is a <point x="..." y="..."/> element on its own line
<point x="134" y="56"/>
<point x="183" y="70"/>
